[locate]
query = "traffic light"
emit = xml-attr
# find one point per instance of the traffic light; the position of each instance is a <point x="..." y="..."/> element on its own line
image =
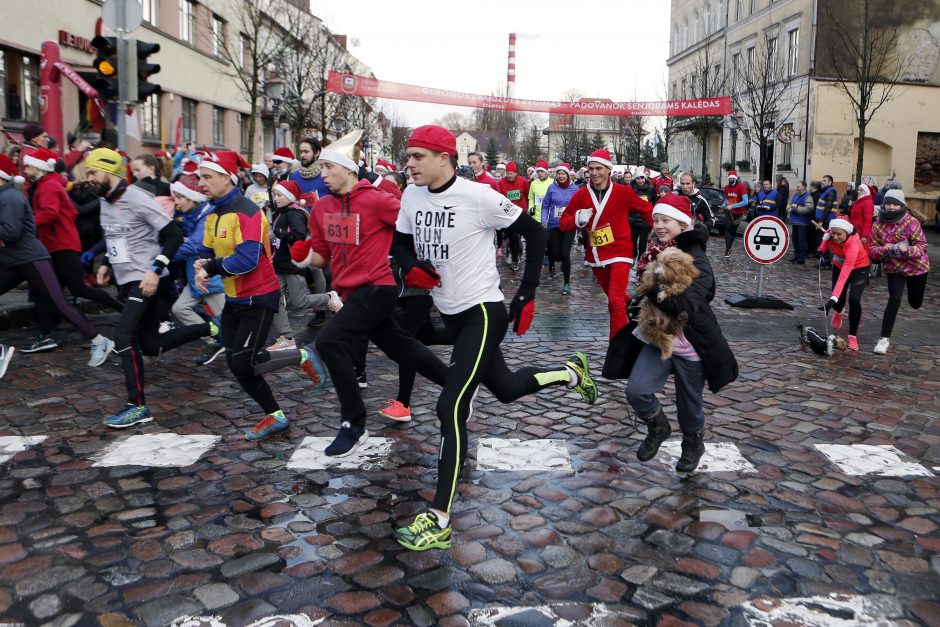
<point x="106" y="63"/>
<point x="145" y="69"/>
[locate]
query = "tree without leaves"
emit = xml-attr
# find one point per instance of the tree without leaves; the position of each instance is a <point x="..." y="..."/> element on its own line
<point x="705" y="80"/>
<point x="765" y="96"/>
<point x="863" y="57"/>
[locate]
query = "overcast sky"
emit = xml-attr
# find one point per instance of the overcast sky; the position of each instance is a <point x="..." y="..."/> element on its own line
<point x="618" y="51"/>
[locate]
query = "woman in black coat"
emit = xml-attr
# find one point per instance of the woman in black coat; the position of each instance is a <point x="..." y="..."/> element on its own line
<point x="700" y="352"/>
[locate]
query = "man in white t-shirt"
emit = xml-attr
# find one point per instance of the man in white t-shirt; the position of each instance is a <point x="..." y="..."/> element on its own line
<point x="444" y="242"/>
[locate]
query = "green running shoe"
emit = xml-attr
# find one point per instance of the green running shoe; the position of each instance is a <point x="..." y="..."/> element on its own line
<point x="585" y="384"/>
<point x="423" y="534"/>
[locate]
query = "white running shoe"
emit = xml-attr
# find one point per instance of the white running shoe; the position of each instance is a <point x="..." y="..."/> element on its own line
<point x="99" y="352"/>
<point x="882" y="346"/>
<point x="6" y="354"/>
<point x="282" y="344"/>
<point x="336" y="303"/>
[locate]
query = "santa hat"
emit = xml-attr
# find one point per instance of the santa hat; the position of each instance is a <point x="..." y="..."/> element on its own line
<point x="563" y="167"/>
<point x="343" y="151"/>
<point x="8" y="171"/>
<point x="283" y="154"/>
<point x="190" y="167"/>
<point x="500" y="166"/>
<point x="675" y="206"/>
<point x="601" y="156"/>
<point x="384" y="165"/>
<point x="187" y="186"/>
<point x="160" y="154"/>
<point x="530" y="170"/>
<point x="639" y="171"/>
<point x="541" y="165"/>
<point x="225" y="162"/>
<point x="864" y="190"/>
<point x="41" y="159"/>
<point x="732" y="174"/>
<point x="843" y="224"/>
<point x="260" y="168"/>
<point x="289" y="190"/>
<point x="436" y="138"/>
<point x="511" y="167"/>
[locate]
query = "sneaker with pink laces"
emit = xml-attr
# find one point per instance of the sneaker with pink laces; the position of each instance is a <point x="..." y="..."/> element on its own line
<point x="282" y="344"/>
<point x="396" y="411"/>
<point x="837" y="320"/>
<point x="852" y="343"/>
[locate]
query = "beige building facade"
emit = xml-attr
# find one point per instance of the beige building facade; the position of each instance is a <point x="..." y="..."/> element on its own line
<point x="818" y="135"/>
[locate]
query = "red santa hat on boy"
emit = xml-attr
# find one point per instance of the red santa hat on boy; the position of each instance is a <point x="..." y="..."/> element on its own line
<point x="675" y="206"/>
<point x="289" y="190"/>
<point x="382" y="167"/>
<point x="283" y="154"/>
<point x="601" y="156"/>
<point x="8" y="171"/>
<point x="225" y="162"/>
<point x="41" y="159"/>
<point x="187" y="186"/>
<point x="733" y="174"/>
<point x="541" y="165"/>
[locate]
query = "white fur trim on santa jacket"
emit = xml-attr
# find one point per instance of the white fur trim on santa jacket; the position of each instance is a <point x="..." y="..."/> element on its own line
<point x="609" y="239"/>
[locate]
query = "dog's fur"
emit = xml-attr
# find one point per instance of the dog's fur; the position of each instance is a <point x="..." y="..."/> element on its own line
<point x="819" y="344"/>
<point x="672" y="272"/>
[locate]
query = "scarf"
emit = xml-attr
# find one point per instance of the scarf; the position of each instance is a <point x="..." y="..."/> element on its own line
<point x="653" y="248"/>
<point x="892" y="217"/>
<point x="311" y="172"/>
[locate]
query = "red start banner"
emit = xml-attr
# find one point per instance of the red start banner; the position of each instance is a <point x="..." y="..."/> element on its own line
<point x="342" y="83"/>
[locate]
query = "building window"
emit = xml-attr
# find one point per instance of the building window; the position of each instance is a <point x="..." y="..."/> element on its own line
<point x="149" y="112"/>
<point x="675" y="39"/>
<point x="772" y="58"/>
<point x="793" y="51"/>
<point x="675" y="91"/>
<point x="243" y="131"/>
<point x="753" y="7"/>
<point x="218" y="35"/>
<point x="786" y="157"/>
<point x="21" y="85"/>
<point x="747" y="149"/>
<point x="218" y="126"/>
<point x="719" y="14"/>
<point x="243" y="48"/>
<point x="188" y="21"/>
<point x="749" y="61"/>
<point x="151" y="12"/>
<point x="735" y="68"/>
<point x="189" y="120"/>
<point x="695" y="27"/>
<point x="707" y="20"/>
<point x="738" y="9"/>
<point x="685" y="34"/>
<point x="682" y="94"/>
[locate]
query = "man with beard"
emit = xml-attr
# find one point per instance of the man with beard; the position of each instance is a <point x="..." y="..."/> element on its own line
<point x="141" y="239"/>
<point x="308" y="177"/>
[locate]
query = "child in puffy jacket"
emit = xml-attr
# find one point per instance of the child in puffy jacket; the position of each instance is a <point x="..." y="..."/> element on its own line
<point x="850" y="267"/>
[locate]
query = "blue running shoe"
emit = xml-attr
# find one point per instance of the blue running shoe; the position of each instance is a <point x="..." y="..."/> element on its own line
<point x="266" y="426"/>
<point x="314" y="367"/>
<point x="128" y="417"/>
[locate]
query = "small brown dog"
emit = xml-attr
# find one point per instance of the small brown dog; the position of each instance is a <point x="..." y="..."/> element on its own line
<point x="672" y="272"/>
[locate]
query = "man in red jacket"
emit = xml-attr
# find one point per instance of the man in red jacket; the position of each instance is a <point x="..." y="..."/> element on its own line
<point x="601" y="208"/>
<point x="516" y="189"/>
<point x="351" y="230"/>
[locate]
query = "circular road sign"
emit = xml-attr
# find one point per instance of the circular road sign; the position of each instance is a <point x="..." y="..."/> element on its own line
<point x="766" y="239"/>
<point x="133" y="15"/>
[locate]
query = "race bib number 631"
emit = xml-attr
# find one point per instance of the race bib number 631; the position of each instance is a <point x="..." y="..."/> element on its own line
<point x="341" y="229"/>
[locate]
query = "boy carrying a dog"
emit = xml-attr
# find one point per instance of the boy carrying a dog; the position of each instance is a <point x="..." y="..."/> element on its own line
<point x="674" y="331"/>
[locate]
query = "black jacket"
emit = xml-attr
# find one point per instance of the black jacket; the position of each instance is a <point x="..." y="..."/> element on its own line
<point x="88" y="222"/>
<point x="701" y="330"/>
<point x="289" y="225"/>
<point x="18" y="229"/>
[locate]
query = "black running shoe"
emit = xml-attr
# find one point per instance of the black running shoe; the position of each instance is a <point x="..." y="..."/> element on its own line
<point x="347" y="441"/>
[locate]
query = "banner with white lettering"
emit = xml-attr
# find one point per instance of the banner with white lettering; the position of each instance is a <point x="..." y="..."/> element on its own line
<point x="342" y="83"/>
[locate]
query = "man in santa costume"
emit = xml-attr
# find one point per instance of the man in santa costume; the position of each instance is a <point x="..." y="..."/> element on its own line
<point x="602" y="208"/>
<point x="283" y="159"/>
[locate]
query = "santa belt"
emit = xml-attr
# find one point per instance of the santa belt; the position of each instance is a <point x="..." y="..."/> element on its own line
<point x="606" y="262"/>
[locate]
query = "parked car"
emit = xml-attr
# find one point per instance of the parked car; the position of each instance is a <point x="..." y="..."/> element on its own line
<point x="716" y="202"/>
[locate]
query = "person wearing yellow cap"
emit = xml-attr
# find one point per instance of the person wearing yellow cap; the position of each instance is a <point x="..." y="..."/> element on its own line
<point x="140" y="240"/>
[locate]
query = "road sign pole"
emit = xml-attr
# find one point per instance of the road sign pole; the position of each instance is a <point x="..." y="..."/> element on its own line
<point x="760" y="281"/>
<point x="122" y="91"/>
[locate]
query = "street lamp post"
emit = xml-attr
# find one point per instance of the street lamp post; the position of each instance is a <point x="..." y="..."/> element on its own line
<point x="274" y="89"/>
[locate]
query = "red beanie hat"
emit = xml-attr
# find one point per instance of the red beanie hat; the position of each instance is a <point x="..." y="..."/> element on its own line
<point x="675" y="206"/>
<point x="601" y="156"/>
<point x="289" y="190"/>
<point x="436" y="138"/>
<point x="511" y="167"/>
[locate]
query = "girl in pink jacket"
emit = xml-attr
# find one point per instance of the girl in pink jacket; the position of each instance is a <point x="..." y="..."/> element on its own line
<point x="850" y="266"/>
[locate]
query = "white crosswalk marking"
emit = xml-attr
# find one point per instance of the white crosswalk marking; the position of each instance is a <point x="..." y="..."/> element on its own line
<point x="834" y="610"/>
<point x="540" y="615"/>
<point x="156" y="449"/>
<point x="718" y="457"/>
<point x="871" y="459"/>
<point x="512" y="454"/>
<point x="10" y="445"/>
<point x="279" y="620"/>
<point x="310" y="455"/>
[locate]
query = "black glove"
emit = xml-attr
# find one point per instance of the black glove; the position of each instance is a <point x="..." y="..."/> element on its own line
<point x="522" y="309"/>
<point x="830" y="304"/>
<point x="633" y="309"/>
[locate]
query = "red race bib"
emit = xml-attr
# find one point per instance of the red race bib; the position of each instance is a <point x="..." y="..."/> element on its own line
<point x="341" y="229"/>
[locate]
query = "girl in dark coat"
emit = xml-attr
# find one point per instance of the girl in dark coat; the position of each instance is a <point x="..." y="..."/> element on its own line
<point x="700" y="352"/>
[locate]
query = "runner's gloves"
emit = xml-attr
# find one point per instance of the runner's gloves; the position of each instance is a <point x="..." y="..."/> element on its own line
<point x="422" y="275"/>
<point x="522" y="309"/>
<point x="581" y="217"/>
<point x="830" y="304"/>
<point x="301" y="253"/>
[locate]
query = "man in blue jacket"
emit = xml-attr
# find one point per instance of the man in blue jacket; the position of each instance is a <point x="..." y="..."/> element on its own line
<point x="767" y="200"/>
<point x="308" y="177"/>
<point x="826" y="210"/>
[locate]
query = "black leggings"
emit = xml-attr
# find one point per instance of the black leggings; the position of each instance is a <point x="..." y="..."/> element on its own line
<point x="477" y="359"/>
<point x="368" y="313"/>
<point x="71" y="274"/>
<point x="138" y="333"/>
<point x="853" y="289"/>
<point x="559" y="249"/>
<point x="40" y="277"/>
<point x="730" y="231"/>
<point x="416" y="321"/>
<point x="916" y="286"/>
<point x="640" y="235"/>
<point x="515" y="246"/>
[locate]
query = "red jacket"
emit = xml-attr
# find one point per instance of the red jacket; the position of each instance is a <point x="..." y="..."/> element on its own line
<point x="848" y="256"/>
<point x="616" y="243"/>
<point x="659" y="181"/>
<point x="517" y="191"/>
<point x="861" y="216"/>
<point x="486" y="179"/>
<point x="353" y="233"/>
<point x="55" y="214"/>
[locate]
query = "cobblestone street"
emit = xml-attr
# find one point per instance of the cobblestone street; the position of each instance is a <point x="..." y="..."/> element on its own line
<point x="818" y="501"/>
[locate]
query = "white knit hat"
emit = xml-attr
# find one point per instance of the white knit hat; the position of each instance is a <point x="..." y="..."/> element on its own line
<point x="896" y="195"/>
<point x="843" y="224"/>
